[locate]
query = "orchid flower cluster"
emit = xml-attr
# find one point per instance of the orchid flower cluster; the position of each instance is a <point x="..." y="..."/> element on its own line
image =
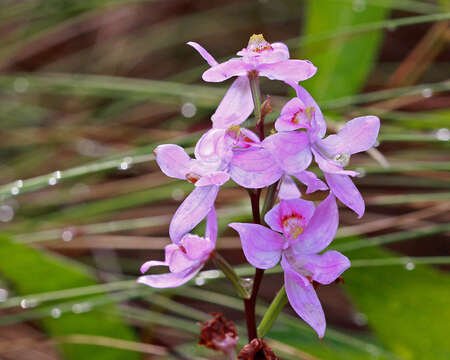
<point x="296" y="231"/>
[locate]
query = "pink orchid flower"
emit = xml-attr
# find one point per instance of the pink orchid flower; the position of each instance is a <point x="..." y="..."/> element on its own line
<point x="259" y="57"/>
<point x="298" y="232"/>
<point x="332" y="153"/>
<point x="184" y="258"/>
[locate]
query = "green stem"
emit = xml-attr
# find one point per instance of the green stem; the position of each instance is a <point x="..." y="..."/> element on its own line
<point x="229" y="272"/>
<point x="256" y="95"/>
<point x="272" y="312"/>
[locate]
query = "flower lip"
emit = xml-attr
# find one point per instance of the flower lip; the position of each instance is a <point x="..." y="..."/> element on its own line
<point x="258" y="44"/>
<point x="293" y="225"/>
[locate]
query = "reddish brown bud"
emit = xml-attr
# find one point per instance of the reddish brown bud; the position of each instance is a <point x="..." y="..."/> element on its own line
<point x="266" y="107"/>
<point x="257" y="349"/>
<point x="219" y="334"/>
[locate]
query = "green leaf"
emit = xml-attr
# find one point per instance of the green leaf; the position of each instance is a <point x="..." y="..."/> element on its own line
<point x="344" y="62"/>
<point x="407" y="310"/>
<point x="32" y="271"/>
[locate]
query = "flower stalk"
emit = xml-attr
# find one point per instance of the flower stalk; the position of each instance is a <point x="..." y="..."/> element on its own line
<point x="231" y="275"/>
<point x="278" y="303"/>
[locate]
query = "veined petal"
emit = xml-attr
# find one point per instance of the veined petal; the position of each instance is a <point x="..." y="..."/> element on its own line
<point x="254" y="168"/>
<point x="290" y="149"/>
<point x="211" y="226"/>
<point x="173" y="160"/>
<point x="324" y="268"/>
<point x="303" y="299"/>
<point x="321" y="229"/>
<point x="357" y="135"/>
<point x="215" y="178"/>
<point x="169" y="280"/>
<point x="212" y="147"/>
<point x="344" y="189"/>
<point x="225" y="70"/>
<point x="236" y="106"/>
<point x="193" y="210"/>
<point x="262" y="246"/>
<point x="288" y="189"/>
<point x="312" y="182"/>
<point x="288" y="70"/>
<point x="203" y="53"/>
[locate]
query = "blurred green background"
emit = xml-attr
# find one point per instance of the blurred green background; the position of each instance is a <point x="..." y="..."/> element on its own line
<point x="88" y="88"/>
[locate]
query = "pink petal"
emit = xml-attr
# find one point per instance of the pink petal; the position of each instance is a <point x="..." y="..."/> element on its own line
<point x="292" y="116"/>
<point x="288" y="70"/>
<point x="328" y="165"/>
<point x="225" y="70"/>
<point x="193" y="210"/>
<point x="254" y="168"/>
<point x="169" y="280"/>
<point x="147" y="265"/>
<point x="324" y="268"/>
<point x="318" y="123"/>
<point x="236" y="106"/>
<point x="312" y="182"/>
<point x="321" y="229"/>
<point x="212" y="147"/>
<point x="211" y="226"/>
<point x="344" y="189"/>
<point x="357" y="135"/>
<point x="288" y="189"/>
<point x="303" y="299"/>
<point x="273" y="219"/>
<point x="215" y="178"/>
<point x="179" y="261"/>
<point x="173" y="160"/>
<point x="290" y="149"/>
<point x="197" y="248"/>
<point x="262" y="246"/>
<point x="204" y="54"/>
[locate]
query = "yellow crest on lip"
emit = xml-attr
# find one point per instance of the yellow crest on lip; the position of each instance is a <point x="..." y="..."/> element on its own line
<point x="258" y="43"/>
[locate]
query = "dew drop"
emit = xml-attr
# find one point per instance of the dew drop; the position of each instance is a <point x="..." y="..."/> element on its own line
<point x="15" y="190"/>
<point x="21" y="85"/>
<point x="247" y="283"/>
<point x="200" y="281"/>
<point x="359" y="5"/>
<point x="362" y="172"/>
<point x="410" y="266"/>
<point x="55" y="313"/>
<point x="28" y="303"/>
<point x="6" y="213"/>
<point x="52" y="181"/>
<point x="360" y="319"/>
<point x="126" y="163"/>
<point x="188" y="110"/>
<point x="342" y="159"/>
<point x="210" y="274"/>
<point x="58" y="174"/>
<point x="19" y="183"/>
<point x="443" y="134"/>
<point x="3" y="295"/>
<point x="177" y="194"/>
<point x="427" y="93"/>
<point x="67" y="235"/>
